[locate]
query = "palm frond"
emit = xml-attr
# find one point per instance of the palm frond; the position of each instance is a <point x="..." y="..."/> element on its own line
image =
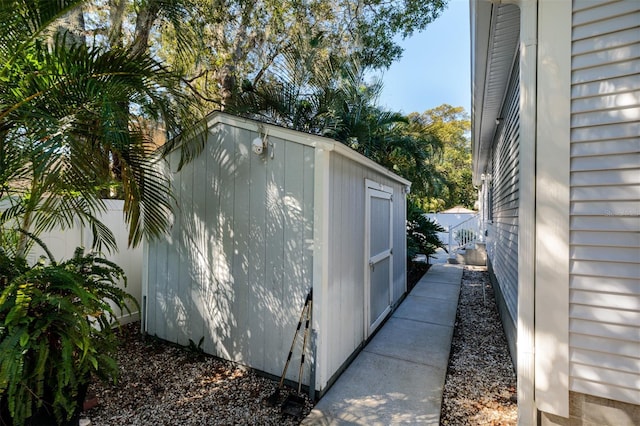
<point x="22" y="22"/>
<point x="70" y="125"/>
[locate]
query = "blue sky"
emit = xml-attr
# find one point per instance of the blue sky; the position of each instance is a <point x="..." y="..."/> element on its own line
<point x="434" y="68"/>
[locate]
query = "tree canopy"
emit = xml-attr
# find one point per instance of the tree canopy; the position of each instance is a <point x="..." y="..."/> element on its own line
<point x="74" y="119"/>
<point x="232" y="43"/>
<point x="86" y="87"/>
<point x="451" y="125"/>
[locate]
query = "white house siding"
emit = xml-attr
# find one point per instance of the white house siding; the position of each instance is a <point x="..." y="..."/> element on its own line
<point x="604" y="330"/>
<point x="502" y="238"/>
<point x="238" y="263"/>
<point x="345" y="332"/>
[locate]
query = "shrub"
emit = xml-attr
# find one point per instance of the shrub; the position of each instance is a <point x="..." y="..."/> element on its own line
<point x="422" y="233"/>
<point x="56" y="331"/>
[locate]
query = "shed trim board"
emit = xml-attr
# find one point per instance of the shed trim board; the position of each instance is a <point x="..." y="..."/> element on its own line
<point x="578" y="221"/>
<point x="321" y="262"/>
<point x="253" y="232"/>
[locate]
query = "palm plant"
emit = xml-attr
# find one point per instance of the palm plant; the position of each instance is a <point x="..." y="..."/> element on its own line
<point x="74" y="120"/>
<point x="56" y="333"/>
<point x="330" y="96"/>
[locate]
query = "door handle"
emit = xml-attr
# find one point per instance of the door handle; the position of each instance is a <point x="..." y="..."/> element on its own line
<point x="372" y="266"/>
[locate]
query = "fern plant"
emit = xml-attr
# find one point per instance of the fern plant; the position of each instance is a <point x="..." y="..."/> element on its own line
<point x="56" y="331"/>
<point x="422" y="232"/>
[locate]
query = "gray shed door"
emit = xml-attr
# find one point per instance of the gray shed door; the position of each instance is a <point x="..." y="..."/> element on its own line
<point x="378" y="279"/>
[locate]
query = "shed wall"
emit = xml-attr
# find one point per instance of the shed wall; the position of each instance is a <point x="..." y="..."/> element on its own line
<point x="604" y="309"/>
<point x="345" y="325"/>
<point x="238" y="263"/>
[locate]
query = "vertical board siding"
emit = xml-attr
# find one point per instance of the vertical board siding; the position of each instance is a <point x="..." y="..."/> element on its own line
<point x="503" y="234"/>
<point x="346" y="320"/>
<point x="605" y="200"/>
<point x="237" y="265"/>
<point x="346" y="272"/>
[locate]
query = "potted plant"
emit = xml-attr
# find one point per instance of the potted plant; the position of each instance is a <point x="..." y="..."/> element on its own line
<point x="56" y="332"/>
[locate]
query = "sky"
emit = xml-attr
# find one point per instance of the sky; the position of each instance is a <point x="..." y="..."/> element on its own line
<point x="434" y="68"/>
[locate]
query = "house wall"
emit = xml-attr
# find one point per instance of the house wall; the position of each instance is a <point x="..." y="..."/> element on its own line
<point x="344" y="332"/>
<point x="580" y="99"/>
<point x="604" y="280"/>
<point x="502" y="230"/>
<point x="239" y="261"/>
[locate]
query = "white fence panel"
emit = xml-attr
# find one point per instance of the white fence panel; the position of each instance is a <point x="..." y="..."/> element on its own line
<point x="449" y="221"/>
<point x="62" y="244"/>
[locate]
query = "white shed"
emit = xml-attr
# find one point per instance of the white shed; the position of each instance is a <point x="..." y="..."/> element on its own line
<point x="254" y="231"/>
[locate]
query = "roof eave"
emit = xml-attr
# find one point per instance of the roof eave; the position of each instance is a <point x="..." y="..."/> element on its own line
<point x="494" y="41"/>
<point x="480" y="17"/>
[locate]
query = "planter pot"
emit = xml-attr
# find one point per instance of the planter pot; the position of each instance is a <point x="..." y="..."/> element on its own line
<point x="90" y="402"/>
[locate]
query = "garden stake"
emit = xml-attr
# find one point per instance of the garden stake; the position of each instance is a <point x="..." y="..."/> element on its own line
<point x="272" y="400"/>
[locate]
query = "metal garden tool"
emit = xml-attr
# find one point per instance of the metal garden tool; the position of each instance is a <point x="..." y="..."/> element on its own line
<point x="294" y="404"/>
<point x="273" y="399"/>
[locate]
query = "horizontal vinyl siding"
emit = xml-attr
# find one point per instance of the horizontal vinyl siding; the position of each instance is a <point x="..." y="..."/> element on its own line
<point x="503" y="238"/>
<point x="604" y="329"/>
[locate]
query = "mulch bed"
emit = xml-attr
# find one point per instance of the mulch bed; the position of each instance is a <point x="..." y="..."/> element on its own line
<point x="162" y="384"/>
<point x="415" y="271"/>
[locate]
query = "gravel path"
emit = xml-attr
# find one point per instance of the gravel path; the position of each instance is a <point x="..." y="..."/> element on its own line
<point x="161" y="384"/>
<point x="480" y="385"/>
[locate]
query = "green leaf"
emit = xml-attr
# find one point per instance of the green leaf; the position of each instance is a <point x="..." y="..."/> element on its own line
<point x="24" y="339"/>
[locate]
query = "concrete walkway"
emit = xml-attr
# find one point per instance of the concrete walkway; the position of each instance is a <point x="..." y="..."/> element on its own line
<point x="399" y="376"/>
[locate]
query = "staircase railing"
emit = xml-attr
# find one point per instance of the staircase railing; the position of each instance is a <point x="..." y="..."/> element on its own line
<point x="464" y="234"/>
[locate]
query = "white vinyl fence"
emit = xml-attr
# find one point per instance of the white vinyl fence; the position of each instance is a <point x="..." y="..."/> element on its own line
<point x="62" y="244"/>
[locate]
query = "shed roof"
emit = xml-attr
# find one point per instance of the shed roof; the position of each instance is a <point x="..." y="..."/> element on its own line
<point x="315" y="141"/>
